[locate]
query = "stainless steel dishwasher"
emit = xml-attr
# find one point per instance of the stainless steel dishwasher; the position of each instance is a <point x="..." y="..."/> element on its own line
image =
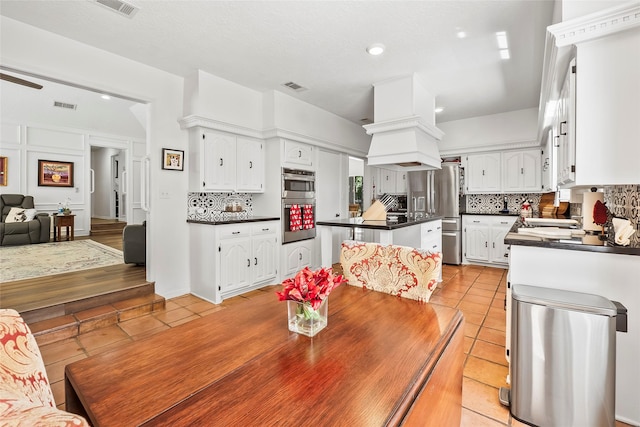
<point x="563" y="357"/>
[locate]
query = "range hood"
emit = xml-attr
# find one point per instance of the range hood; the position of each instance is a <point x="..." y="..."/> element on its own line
<point x="403" y="134"/>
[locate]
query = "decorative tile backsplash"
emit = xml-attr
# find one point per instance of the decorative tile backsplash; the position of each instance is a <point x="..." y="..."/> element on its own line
<point x="211" y="206"/>
<point x="494" y="203"/>
<point x="624" y="202"/>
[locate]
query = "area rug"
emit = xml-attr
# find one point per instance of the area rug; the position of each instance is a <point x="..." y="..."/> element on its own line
<point x="45" y="259"/>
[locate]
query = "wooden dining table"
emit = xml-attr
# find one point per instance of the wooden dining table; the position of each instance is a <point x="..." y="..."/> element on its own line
<point x="381" y="360"/>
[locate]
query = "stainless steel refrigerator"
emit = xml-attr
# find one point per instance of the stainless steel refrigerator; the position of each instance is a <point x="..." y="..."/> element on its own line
<point x="437" y="192"/>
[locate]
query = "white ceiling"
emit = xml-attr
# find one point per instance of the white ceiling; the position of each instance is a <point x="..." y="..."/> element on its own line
<point x="321" y="46"/>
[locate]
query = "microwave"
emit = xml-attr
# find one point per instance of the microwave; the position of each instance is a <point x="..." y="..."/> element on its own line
<point x="298" y="184"/>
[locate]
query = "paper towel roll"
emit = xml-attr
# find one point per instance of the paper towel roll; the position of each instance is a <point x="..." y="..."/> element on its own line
<point x="588" y="201"/>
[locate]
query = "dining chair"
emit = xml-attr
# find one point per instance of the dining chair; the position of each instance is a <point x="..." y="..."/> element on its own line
<point x="397" y="270"/>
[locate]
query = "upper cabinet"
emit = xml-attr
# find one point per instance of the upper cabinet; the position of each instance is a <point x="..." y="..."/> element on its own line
<point x="390" y="181"/>
<point x="593" y="103"/>
<point x="226" y="162"/>
<point x="483" y="173"/>
<point x="521" y="171"/>
<point x="564" y="128"/>
<point x="297" y="154"/>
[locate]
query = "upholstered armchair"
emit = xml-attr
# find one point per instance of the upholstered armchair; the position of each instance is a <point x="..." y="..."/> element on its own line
<point x="134" y="243"/>
<point x="20" y="224"/>
<point x="397" y="270"/>
<point x="25" y="393"/>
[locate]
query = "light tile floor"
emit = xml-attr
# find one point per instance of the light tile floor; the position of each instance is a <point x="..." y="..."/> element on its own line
<point x="479" y="292"/>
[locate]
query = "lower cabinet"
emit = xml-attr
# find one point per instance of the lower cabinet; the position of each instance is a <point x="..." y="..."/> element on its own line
<point x="296" y="256"/>
<point x="483" y="239"/>
<point x="232" y="259"/>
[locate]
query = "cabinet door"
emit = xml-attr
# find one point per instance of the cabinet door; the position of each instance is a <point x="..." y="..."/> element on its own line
<point x="387" y="181"/>
<point x="297" y="256"/>
<point x="250" y="165"/>
<point x="477" y="242"/>
<point x="499" y="251"/>
<point x="512" y="171"/>
<point x="264" y="258"/>
<point x="492" y="168"/>
<point x="218" y="167"/>
<point x="235" y="264"/>
<point x="298" y="153"/>
<point x="565" y="123"/>
<point x="401" y="182"/>
<point x="531" y="171"/>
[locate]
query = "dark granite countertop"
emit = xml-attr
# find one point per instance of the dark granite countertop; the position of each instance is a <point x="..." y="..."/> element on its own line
<point x="588" y="243"/>
<point x="235" y="221"/>
<point x="378" y="225"/>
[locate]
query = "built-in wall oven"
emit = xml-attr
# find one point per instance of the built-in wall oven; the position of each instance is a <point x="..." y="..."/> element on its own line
<point x="298" y="205"/>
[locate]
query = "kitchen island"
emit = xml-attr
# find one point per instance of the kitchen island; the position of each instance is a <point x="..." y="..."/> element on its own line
<point x="424" y="233"/>
<point x="587" y="265"/>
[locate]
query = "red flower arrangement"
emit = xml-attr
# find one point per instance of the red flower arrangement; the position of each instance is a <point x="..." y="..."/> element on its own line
<point x="310" y="287"/>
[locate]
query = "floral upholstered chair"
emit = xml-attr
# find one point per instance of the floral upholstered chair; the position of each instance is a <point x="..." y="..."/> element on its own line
<point x="397" y="270"/>
<point x="26" y="398"/>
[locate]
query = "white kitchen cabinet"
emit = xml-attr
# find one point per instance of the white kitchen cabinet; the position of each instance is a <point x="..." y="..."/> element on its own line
<point x="232" y="259"/>
<point x="390" y="181"/>
<point x="482" y="173"/>
<point x="218" y="161"/>
<point x="250" y="165"/>
<point x="226" y="162"/>
<point x="521" y="171"/>
<point x="297" y="154"/>
<point x="564" y="128"/>
<point x="483" y="239"/>
<point x="297" y="255"/>
<point x="431" y="236"/>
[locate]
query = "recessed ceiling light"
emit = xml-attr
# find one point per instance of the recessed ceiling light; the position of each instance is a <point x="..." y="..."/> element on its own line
<point x="439" y="110"/>
<point x="375" y="49"/>
<point x="461" y="34"/>
<point x="105" y="97"/>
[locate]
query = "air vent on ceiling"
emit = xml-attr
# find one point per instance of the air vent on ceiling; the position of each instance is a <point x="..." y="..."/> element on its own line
<point x="64" y="105"/>
<point x="120" y="7"/>
<point x="294" y="86"/>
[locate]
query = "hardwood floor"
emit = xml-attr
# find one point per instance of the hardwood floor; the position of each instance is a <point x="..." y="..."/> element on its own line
<point x="60" y="290"/>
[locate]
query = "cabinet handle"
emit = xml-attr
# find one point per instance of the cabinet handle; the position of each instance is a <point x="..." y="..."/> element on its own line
<point x="557" y="138"/>
<point x="250" y="164"/>
<point x="494" y="245"/>
<point x="437" y="228"/>
<point x="506" y="254"/>
<point x="521" y="170"/>
<point x="235" y="232"/>
<point x="221" y="162"/>
<point x="300" y="256"/>
<point x="429" y="231"/>
<point x="563" y="130"/>
<point x="504" y="222"/>
<point x="435" y="246"/>
<point x="337" y="215"/>
<point x="255" y="261"/>
<point x="486" y="244"/>
<point x="203" y="183"/>
<point x="476" y="221"/>
<point x="482" y="172"/>
<point x="299" y="153"/>
<point x="248" y="263"/>
<point x="265" y="229"/>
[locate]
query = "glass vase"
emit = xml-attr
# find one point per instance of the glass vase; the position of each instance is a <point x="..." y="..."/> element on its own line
<point x="303" y="319"/>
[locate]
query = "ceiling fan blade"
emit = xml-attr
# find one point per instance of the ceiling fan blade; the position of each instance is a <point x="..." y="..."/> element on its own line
<point x="19" y="81"/>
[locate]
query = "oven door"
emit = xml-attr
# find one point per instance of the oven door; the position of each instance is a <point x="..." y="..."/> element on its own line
<point x="298" y="184"/>
<point x="298" y="219"/>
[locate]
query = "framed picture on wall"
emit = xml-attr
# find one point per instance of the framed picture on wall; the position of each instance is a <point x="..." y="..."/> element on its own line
<point x="55" y="174"/>
<point x="172" y="159"/>
<point x="3" y="170"/>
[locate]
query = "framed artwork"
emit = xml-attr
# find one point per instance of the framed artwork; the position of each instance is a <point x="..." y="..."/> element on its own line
<point x="172" y="159"/>
<point x="3" y="170"/>
<point x="55" y="174"/>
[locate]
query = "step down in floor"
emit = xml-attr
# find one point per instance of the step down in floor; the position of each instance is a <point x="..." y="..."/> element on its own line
<point x="107" y="228"/>
<point x="71" y="325"/>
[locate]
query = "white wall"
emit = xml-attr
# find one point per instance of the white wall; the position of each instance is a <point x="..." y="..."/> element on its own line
<point x="289" y="114"/>
<point x="34" y="50"/>
<point x="514" y="129"/>
<point x="213" y="97"/>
